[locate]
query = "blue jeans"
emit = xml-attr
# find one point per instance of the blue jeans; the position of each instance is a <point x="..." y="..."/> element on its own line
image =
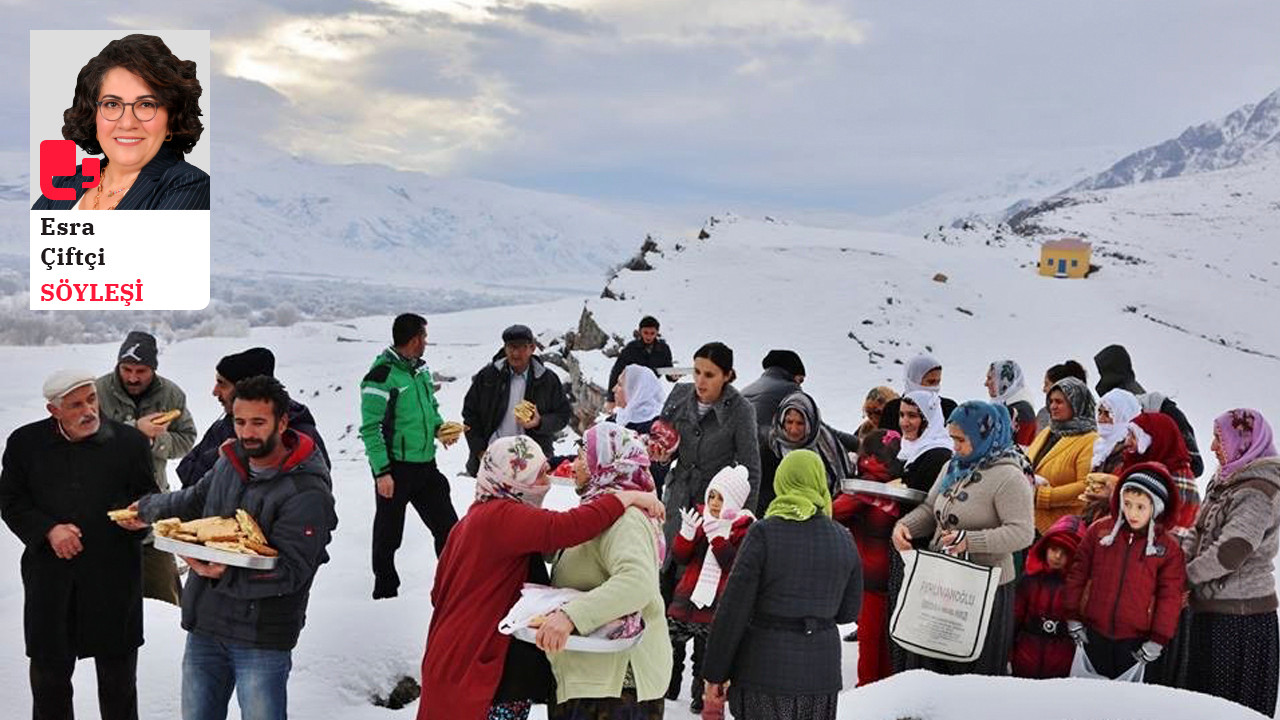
<point x="211" y="669"/>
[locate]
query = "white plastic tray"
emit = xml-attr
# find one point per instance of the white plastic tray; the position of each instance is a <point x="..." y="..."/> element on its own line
<point x="879" y="489"/>
<point x="580" y="643"/>
<point x="208" y="554"/>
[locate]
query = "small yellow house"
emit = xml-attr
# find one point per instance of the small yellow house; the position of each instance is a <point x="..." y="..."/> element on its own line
<point x="1065" y="258"/>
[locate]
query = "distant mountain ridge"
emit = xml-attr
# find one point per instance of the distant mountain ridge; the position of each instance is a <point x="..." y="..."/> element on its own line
<point x="1246" y="135"/>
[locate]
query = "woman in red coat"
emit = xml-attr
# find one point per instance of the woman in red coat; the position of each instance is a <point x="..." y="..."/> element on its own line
<point x="470" y="670"/>
<point x="871" y="520"/>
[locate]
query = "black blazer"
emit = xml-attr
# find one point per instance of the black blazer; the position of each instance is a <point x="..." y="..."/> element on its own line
<point x="168" y="182"/>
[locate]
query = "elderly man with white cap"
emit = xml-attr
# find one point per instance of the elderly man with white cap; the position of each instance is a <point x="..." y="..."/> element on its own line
<point x="81" y="572"/>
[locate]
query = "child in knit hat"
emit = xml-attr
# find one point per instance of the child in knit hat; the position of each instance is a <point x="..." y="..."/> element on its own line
<point x="1042" y="648"/>
<point x="709" y="538"/>
<point x="1135" y="573"/>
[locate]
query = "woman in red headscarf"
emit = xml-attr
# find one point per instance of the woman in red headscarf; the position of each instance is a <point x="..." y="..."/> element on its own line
<point x="1155" y="437"/>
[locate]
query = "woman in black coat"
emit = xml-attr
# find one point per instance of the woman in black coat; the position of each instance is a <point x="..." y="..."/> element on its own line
<point x="797" y="575"/>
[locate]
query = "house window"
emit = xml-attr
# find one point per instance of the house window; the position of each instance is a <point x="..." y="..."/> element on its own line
<point x="1048" y="261"/>
<point x="1075" y="263"/>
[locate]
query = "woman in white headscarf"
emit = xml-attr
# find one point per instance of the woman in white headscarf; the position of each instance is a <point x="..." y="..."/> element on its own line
<point x="639" y="396"/>
<point x="926" y="445"/>
<point x="1116" y="410"/>
<point x="923" y="372"/>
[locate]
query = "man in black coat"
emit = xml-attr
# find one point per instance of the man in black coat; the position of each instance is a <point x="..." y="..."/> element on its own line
<point x="1115" y="370"/>
<point x="231" y="370"/>
<point x="81" y="573"/>
<point x="648" y="349"/>
<point x="514" y="375"/>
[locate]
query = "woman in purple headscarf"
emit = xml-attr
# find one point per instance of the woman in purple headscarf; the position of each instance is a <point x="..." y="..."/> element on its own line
<point x="1235" y="636"/>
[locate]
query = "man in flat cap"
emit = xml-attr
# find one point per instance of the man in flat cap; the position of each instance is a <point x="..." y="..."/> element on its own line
<point x="399" y="419"/>
<point x="515" y="375"/>
<point x="229" y="371"/>
<point x="81" y="573"/>
<point x="135" y="395"/>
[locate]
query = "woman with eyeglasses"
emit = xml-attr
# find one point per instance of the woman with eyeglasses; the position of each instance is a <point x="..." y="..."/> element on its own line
<point x="137" y="104"/>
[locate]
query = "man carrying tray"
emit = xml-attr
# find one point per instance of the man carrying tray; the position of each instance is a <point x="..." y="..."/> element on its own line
<point x="242" y="624"/>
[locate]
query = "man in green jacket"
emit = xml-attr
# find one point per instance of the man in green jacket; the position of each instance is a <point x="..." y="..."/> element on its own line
<point x="135" y="395"/>
<point x="399" y="420"/>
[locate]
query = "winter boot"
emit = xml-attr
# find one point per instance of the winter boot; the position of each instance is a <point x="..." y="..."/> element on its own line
<point x="695" y="689"/>
<point x="677" y="672"/>
<point x="673" y="688"/>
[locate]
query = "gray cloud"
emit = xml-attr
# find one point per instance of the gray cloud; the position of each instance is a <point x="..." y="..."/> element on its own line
<point x="859" y="107"/>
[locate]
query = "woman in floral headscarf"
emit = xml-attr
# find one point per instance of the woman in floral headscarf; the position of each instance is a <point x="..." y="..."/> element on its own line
<point x="470" y="670"/>
<point x="979" y="508"/>
<point x="1235" y="640"/>
<point x="1007" y="386"/>
<point x="618" y="574"/>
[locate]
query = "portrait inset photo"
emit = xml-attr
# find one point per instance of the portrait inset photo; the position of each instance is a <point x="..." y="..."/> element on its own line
<point x="120" y="121"/>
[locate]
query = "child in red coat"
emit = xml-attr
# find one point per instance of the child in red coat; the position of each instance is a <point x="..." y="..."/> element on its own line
<point x="1042" y="648"/>
<point x="871" y="520"/>
<point x="1132" y="572"/>
<point x="707" y="544"/>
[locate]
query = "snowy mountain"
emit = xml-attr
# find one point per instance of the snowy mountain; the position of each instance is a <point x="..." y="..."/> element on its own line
<point x="1248" y="134"/>
<point x="992" y="200"/>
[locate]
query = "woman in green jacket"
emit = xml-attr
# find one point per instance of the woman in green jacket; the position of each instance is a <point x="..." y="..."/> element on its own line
<point x="618" y="572"/>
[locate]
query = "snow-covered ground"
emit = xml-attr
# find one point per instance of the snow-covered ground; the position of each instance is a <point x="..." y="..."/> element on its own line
<point x="854" y="304"/>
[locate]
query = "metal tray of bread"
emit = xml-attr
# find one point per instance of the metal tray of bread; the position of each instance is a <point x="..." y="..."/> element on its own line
<point x="879" y="489"/>
<point x="208" y="554"/>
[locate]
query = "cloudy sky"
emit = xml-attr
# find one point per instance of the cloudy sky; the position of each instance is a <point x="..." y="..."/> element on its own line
<point x="860" y="107"/>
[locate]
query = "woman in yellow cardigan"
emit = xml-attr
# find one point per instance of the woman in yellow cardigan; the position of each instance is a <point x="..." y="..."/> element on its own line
<point x="1062" y="454"/>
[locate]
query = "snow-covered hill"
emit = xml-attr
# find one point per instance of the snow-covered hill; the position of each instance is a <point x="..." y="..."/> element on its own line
<point x="1249" y="133"/>
<point x="1205" y="243"/>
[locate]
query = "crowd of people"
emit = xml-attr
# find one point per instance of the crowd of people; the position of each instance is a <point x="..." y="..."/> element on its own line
<point x="725" y="523"/>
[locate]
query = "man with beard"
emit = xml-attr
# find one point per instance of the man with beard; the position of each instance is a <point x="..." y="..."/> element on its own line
<point x="242" y="624"/>
<point x="135" y="395"/>
<point x="81" y="574"/>
<point x="230" y="370"/>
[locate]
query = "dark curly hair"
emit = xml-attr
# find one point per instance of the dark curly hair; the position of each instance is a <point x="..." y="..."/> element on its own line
<point x="172" y="80"/>
<point x="264" y="388"/>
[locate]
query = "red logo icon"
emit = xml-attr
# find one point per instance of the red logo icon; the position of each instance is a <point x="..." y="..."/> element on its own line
<point x="58" y="159"/>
